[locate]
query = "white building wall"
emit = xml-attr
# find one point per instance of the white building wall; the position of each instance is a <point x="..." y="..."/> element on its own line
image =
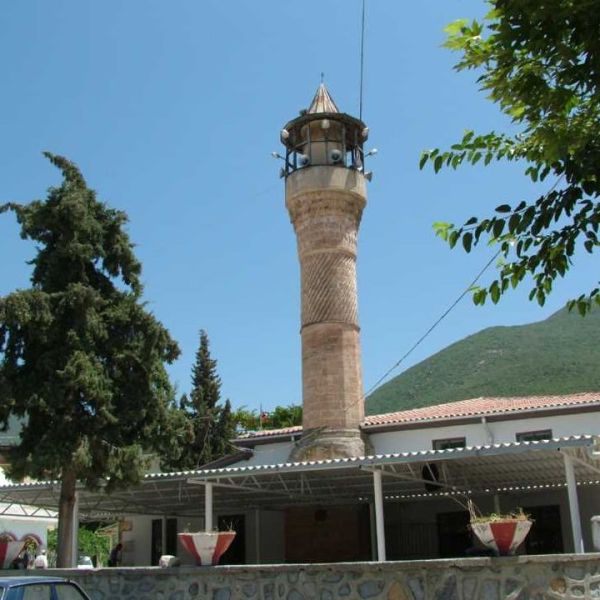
<point x="479" y="434"/>
<point x="22" y="527"/>
<point x="274" y="453"/>
<point x="18" y="519"/>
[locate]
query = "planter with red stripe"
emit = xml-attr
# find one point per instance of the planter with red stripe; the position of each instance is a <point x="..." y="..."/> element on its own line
<point x="207" y="546"/>
<point x="9" y="551"/>
<point x="502" y="536"/>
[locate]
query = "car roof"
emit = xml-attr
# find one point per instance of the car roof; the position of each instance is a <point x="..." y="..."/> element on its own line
<point x="6" y="582"/>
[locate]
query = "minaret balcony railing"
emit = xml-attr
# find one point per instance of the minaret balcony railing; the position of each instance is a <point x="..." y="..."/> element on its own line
<point x="323" y="140"/>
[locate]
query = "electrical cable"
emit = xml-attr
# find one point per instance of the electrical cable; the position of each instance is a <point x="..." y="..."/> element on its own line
<point x="362" y="61"/>
<point x="447" y="311"/>
<point x="439" y="320"/>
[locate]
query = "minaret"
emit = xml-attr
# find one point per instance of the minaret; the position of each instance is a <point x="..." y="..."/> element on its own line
<point x="325" y="193"/>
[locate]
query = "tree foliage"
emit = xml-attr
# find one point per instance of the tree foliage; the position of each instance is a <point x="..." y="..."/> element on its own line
<point x="540" y="62"/>
<point x="281" y="416"/>
<point x="90" y="543"/>
<point x="210" y="423"/>
<point x="81" y="359"/>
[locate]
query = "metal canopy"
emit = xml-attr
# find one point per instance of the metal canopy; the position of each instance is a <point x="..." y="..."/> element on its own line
<point x="471" y="471"/>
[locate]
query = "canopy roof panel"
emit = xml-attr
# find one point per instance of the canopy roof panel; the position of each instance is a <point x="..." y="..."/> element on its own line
<point x="467" y="471"/>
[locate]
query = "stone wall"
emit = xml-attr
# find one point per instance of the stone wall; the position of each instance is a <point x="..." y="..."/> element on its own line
<point x="562" y="577"/>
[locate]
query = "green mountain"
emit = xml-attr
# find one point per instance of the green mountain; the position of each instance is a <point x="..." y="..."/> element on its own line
<point x="560" y="355"/>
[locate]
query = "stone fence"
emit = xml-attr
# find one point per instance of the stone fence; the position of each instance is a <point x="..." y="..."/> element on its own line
<point x="515" y="578"/>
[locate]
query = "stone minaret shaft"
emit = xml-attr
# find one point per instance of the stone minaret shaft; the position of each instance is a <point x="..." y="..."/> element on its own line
<point x="325" y="198"/>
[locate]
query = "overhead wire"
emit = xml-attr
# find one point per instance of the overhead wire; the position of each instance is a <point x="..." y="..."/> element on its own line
<point x="435" y="324"/>
<point x="446" y="312"/>
<point x="362" y="61"/>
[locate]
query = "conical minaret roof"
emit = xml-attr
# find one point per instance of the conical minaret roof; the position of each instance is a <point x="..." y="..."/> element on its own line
<point x="322" y="102"/>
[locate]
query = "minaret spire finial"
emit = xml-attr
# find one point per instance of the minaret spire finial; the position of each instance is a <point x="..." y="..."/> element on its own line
<point x="322" y="101"/>
<point x="322" y="77"/>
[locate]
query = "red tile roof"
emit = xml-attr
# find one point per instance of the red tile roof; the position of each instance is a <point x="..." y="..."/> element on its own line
<point x="452" y="410"/>
<point x="482" y="407"/>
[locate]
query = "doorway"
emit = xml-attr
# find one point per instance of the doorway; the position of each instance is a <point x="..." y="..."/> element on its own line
<point x="236" y="553"/>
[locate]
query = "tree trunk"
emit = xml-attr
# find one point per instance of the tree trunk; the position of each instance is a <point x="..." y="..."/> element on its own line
<point x="66" y="509"/>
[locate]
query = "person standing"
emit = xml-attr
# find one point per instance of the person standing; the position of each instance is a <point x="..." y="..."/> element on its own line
<point x="114" y="558"/>
<point x="41" y="561"/>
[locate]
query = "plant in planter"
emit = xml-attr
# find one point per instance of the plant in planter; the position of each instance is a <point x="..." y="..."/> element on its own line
<point x="10" y="548"/>
<point x="206" y="547"/>
<point x="502" y="533"/>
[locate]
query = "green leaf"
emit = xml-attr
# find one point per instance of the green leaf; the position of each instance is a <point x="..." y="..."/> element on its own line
<point x="503" y="208"/>
<point x="479" y="297"/>
<point x="513" y="222"/>
<point x="424" y="158"/>
<point x="442" y="229"/>
<point x="456" y="27"/>
<point x="453" y="238"/>
<point x="495" y="292"/>
<point x="467" y="240"/>
<point x="498" y="227"/>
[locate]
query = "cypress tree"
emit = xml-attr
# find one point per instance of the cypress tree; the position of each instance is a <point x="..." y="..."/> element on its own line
<point x="211" y="423"/>
<point x="81" y="359"/>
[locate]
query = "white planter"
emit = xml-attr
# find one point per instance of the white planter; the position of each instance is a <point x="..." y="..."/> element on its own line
<point x="9" y="551"/>
<point x="503" y="537"/>
<point x="207" y="547"/>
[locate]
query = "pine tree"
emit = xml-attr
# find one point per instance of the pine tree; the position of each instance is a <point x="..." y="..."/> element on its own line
<point x="212" y="423"/>
<point x="81" y="359"/>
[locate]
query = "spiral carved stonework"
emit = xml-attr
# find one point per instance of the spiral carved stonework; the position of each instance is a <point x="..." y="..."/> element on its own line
<point x="329" y="289"/>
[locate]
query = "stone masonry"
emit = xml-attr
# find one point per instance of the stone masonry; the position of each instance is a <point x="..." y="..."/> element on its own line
<point x="325" y="204"/>
<point x="553" y="577"/>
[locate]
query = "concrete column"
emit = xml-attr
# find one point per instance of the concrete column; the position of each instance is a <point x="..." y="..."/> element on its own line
<point x="379" y="517"/>
<point x="75" y="530"/>
<point x="208" y="507"/>
<point x="573" y="505"/>
<point x="497" y="508"/>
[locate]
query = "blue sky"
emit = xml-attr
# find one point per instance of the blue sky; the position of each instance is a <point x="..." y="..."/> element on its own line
<point x="171" y="110"/>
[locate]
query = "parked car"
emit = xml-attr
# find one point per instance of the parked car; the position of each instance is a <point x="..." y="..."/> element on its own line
<point x="40" y="588"/>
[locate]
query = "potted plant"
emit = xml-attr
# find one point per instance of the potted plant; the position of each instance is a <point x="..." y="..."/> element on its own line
<point x="206" y="547"/>
<point x="502" y="533"/>
<point x="10" y="548"/>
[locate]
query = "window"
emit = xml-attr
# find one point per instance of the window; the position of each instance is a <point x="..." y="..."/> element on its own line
<point x="67" y="591"/>
<point x="35" y="592"/>
<point x="43" y="591"/>
<point x="534" y="436"/>
<point x="449" y="443"/>
<point x="156" y="546"/>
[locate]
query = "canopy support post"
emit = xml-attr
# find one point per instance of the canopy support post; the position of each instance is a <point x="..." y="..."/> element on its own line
<point x="208" y="506"/>
<point x="379" y="517"/>
<point x="573" y="505"/>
